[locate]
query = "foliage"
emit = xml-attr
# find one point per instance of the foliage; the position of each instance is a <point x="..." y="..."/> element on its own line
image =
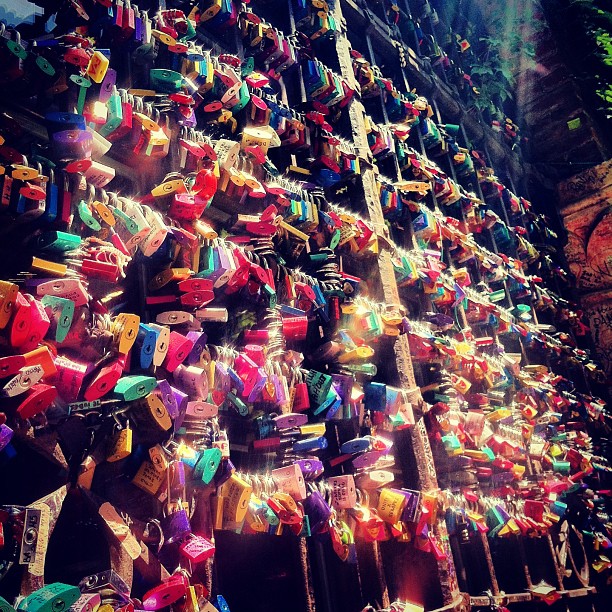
<point x="492" y="65"/>
<point x="588" y="25"/>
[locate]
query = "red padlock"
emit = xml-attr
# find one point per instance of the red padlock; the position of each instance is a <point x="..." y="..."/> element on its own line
<point x="37" y="400"/>
<point x="178" y="350"/>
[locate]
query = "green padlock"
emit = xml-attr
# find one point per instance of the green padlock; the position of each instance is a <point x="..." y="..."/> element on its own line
<point x="207" y="465"/>
<point x="319" y="385"/>
<point x="5" y="606"/>
<point x="55" y="597"/>
<point x="243" y="99"/>
<point x="130" y="388"/>
<point x="166" y="81"/>
<point x="62" y="313"/>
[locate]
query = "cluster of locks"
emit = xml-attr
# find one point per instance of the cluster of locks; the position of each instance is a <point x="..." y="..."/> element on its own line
<point x="191" y="327"/>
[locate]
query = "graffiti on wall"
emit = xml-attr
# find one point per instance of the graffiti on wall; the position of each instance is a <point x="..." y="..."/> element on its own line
<point x="589" y="246"/>
<point x="598" y="307"/>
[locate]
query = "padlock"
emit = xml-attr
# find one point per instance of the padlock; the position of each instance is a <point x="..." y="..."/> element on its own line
<point x="342" y="491"/>
<point x="151" y="412"/>
<point x="179" y="348"/>
<point x="168" y="592"/>
<point x="318" y="511"/>
<point x="391" y="505"/>
<point x="36" y="400"/>
<point x="193" y="380"/>
<point x="55" y="597"/>
<point x="237" y="493"/>
<point x="290" y="480"/>
<point x="69" y="379"/>
<point x="121" y="445"/>
<point x="207" y="465"/>
<point x="23" y="381"/>
<point x="148" y="478"/>
<point x="175" y="525"/>
<point x="130" y="388"/>
<point x="197" y="549"/>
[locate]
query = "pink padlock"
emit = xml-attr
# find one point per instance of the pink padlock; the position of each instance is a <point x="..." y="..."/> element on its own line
<point x="22" y="321"/>
<point x="290" y="480"/>
<point x="166" y="593"/>
<point x="256" y="353"/>
<point x="69" y="378"/>
<point x="201" y="410"/>
<point x="197" y="549"/>
<point x="39" y="324"/>
<point x="178" y="350"/>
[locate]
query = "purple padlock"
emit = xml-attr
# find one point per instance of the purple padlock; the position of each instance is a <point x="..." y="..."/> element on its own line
<point x="165" y="392"/>
<point x="182" y="399"/>
<point x="311" y="468"/>
<point x="343" y="385"/>
<point x="412" y="507"/>
<point x="106" y="87"/>
<point x="224" y="472"/>
<point x="367" y="459"/>
<point x="199" y="339"/>
<point x="318" y="511"/>
<point x="72" y="144"/>
<point x="6" y="433"/>
<point x="259" y="384"/>
<point x="175" y="526"/>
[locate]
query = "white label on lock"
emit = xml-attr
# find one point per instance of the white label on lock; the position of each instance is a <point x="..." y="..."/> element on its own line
<point x="343" y="491"/>
<point x="23" y="381"/>
<point x="290" y="480"/>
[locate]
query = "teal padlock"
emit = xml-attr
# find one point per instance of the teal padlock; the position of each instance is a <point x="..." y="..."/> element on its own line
<point x="58" y="242"/>
<point x="243" y="99"/>
<point x="62" y="313"/>
<point x="237" y="403"/>
<point x="55" y="597"/>
<point x="319" y="385"/>
<point x="130" y="388"/>
<point x="5" y="606"/>
<point x="207" y="465"/>
<point x="115" y="114"/>
<point x="165" y="81"/>
<point x="87" y="218"/>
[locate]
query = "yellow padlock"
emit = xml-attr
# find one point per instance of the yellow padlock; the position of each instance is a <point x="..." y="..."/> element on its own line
<point x="8" y="295"/>
<point x="163" y="38"/>
<point x="104" y="212"/>
<point x="159" y="459"/>
<point x="49" y="267"/>
<point x="98" y="65"/>
<point x="148" y="478"/>
<point x="24" y="173"/>
<point x="238" y="493"/>
<point x="121" y="446"/>
<point x="150" y="410"/>
<point x="390" y="505"/>
<point x="125" y="330"/>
